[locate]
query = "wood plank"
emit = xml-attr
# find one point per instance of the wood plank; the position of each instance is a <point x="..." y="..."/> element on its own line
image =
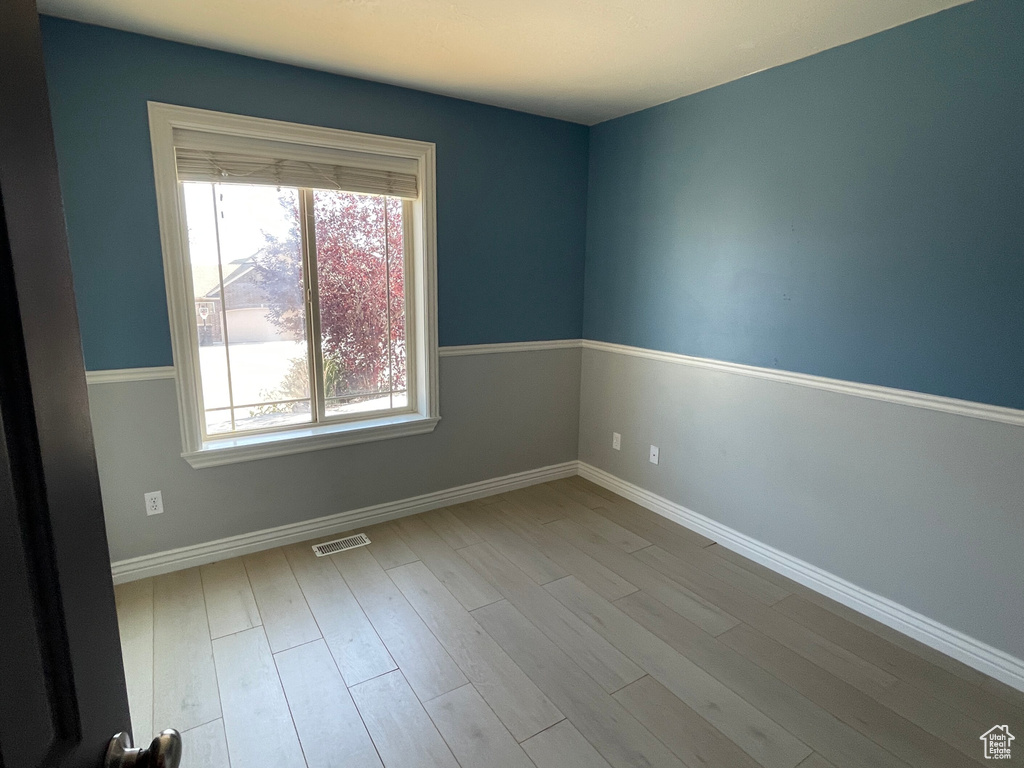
<point x="135" y="624"/>
<point x="593" y="488"/>
<point x="485" y="500"/>
<point x="580" y="493"/>
<point x="286" y="617"/>
<point x="449" y="527"/>
<point x="425" y="663"/>
<point x="685" y="602"/>
<point x="184" y="677"/>
<point x="608" y="529"/>
<point x="763" y="571"/>
<point x="387" y="547"/>
<point x="552" y="496"/>
<point x="896" y="637"/>
<point x="1003" y="691"/>
<point x="616" y="734"/>
<point x="690" y="736"/>
<point x="257" y="722"/>
<point x="945" y="686"/>
<point x="676" y="539"/>
<point x="705" y="558"/>
<point x="938" y="717"/>
<point x="562" y="746"/>
<point x="402" y="731"/>
<point x="354" y="643"/>
<point x="474" y="735"/>
<point x="807" y="721"/>
<point x="822" y="651"/>
<point x="468" y="586"/>
<point x="604" y="526"/>
<point x="750" y="729"/>
<point x="488" y="527"/>
<point x="204" y="746"/>
<point x="816" y="761"/>
<point x="879" y="709"/>
<point x="535" y="507"/>
<point x="881" y="725"/>
<point x="735" y="576"/>
<point x="602" y="661"/>
<point x="640" y="513"/>
<point x="516" y="701"/>
<point x="230" y="605"/>
<point x="601" y="579"/>
<point x="330" y="729"/>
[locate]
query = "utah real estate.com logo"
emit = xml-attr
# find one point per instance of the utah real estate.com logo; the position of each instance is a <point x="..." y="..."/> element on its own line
<point x="997" y="742"/>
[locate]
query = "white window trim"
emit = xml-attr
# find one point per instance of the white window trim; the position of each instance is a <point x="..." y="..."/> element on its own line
<point x="421" y="288"/>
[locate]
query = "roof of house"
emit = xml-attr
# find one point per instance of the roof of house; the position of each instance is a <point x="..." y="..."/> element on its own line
<point x="206" y="277"/>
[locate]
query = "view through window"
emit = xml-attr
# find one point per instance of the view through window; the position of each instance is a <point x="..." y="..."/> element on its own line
<point x="300" y="310"/>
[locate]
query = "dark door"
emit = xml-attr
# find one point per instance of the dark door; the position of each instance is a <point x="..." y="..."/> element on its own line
<point x="62" y="690"/>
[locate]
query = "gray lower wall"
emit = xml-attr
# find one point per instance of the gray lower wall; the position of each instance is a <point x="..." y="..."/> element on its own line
<point x="500" y="414"/>
<point x="923" y="507"/>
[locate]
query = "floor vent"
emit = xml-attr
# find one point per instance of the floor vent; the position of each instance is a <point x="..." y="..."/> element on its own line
<point x="331" y="547"/>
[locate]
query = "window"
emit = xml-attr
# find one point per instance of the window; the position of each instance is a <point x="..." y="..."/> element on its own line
<point x="300" y="278"/>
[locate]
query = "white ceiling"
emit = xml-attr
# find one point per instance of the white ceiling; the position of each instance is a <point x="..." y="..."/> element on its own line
<point x="580" y="60"/>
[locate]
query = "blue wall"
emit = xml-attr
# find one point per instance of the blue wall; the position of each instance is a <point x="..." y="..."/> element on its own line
<point x="511" y="187"/>
<point x="858" y="214"/>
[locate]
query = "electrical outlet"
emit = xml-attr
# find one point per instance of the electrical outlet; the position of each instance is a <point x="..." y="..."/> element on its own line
<point x="616" y="441"/>
<point x="154" y="503"/>
<point x="654" y="454"/>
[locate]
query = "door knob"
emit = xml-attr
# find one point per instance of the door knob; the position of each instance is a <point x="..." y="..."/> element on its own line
<point x="163" y="752"/>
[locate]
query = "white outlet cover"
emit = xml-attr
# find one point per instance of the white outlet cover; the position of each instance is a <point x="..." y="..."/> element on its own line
<point x="154" y="503"/>
<point x="616" y="441"/>
<point x="654" y="454"/>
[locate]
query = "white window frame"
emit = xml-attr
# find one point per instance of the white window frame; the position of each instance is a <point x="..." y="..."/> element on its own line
<point x="420" y="287"/>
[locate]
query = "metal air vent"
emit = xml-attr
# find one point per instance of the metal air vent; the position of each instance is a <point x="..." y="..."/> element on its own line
<point x="340" y="545"/>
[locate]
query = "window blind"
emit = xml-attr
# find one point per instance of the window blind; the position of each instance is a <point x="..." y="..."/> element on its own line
<point x="348" y="172"/>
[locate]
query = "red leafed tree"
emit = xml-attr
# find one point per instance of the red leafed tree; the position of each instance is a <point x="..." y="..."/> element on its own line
<point x="359" y="258"/>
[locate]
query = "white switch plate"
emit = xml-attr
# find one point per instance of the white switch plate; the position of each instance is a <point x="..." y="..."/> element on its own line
<point x="654" y="454"/>
<point x="616" y="441"/>
<point x="154" y="503"/>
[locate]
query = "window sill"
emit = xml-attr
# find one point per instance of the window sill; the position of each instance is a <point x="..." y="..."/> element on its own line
<point x="233" y="450"/>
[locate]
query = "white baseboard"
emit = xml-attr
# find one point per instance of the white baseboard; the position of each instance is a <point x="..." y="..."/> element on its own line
<point x="233" y="546"/>
<point x="981" y="656"/>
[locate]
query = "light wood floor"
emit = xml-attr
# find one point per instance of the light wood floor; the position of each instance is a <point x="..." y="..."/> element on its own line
<point x="559" y="626"/>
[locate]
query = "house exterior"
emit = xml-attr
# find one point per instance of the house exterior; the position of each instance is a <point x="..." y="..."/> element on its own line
<point x="245" y="299"/>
